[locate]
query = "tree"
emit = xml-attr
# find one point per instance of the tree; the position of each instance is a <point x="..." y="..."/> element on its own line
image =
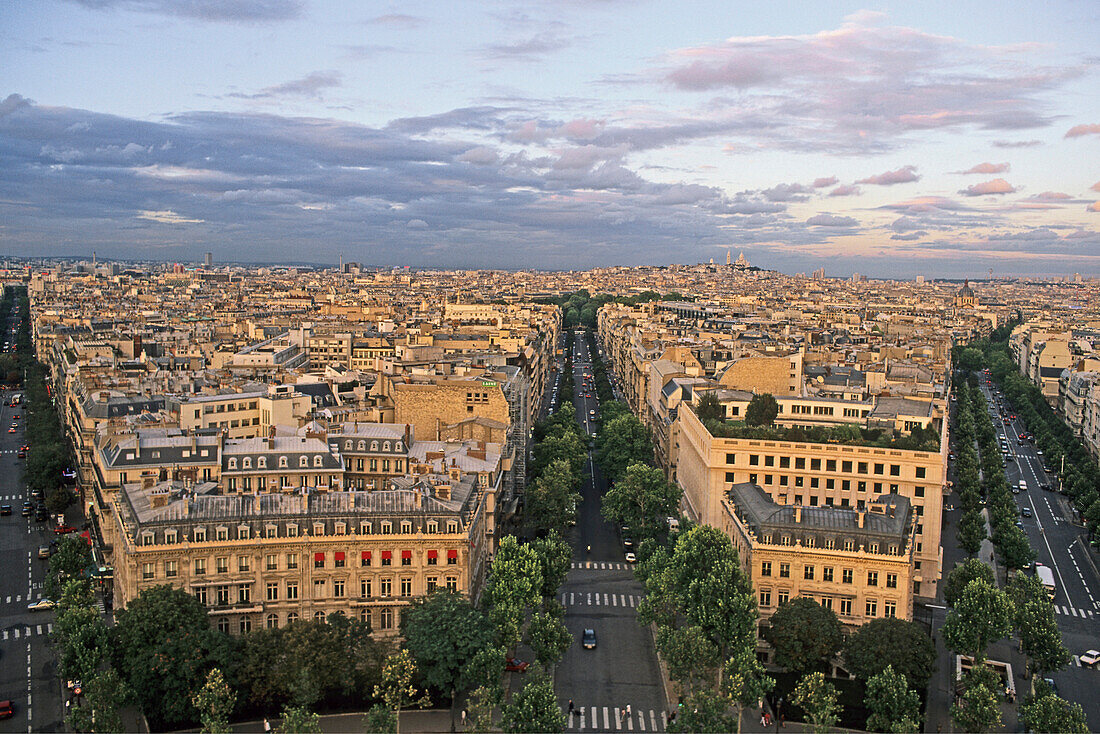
<point x="443" y="632"/>
<point x="299" y="720"/>
<point x="978" y="709"/>
<point x="746" y="681"/>
<point x="893" y="706"/>
<point x="548" y="637"/>
<point x="396" y="688"/>
<point x="514" y="585"/>
<point x="59" y="500"/>
<point x="963" y="574"/>
<point x="1050" y="713"/>
<point x="163" y="650"/>
<point x="971" y="531"/>
<point x="105" y="695"/>
<point x="689" y="654"/>
<point x="485" y="669"/>
<point x="640" y="499"/>
<point x="1014" y="547"/>
<point x="705" y="712"/>
<point x="623" y="440"/>
<point x="818" y="698"/>
<point x="804" y="635"/>
<point x="762" y="410"/>
<point x="981" y="615"/>
<point x="554" y="556"/>
<point x="215" y="702"/>
<point x="71" y="561"/>
<point x="534" y="708"/>
<point x="380" y="720"/>
<point x="551" y="501"/>
<point x="708" y="408"/>
<point x="889" y="640"/>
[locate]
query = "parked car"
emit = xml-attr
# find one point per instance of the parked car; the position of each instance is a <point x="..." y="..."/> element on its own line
<point x="6" y="710"/>
<point x="1090" y="658"/>
<point x="588" y="639"/>
<point x="62" y="529"/>
<point x="44" y="551"/>
<point x="1026" y="512"/>
<point x="28" y="508"/>
<point x="630" y="557"/>
<point x="515" y="665"/>
<point x="5" y="509"/>
<point x="41" y="605"/>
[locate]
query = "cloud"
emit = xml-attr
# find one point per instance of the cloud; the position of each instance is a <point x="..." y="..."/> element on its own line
<point x="249" y="11"/>
<point x="905" y="174"/>
<point x="831" y="220"/>
<point x="910" y="237"/>
<point x="166" y="216"/>
<point x="845" y="190"/>
<point x="996" y="186"/>
<point x="1050" y="196"/>
<point x="1078" y="130"/>
<point x="481" y="156"/>
<point x="1095" y="186"/>
<point x="12" y="103"/>
<point x="788" y="192"/>
<point x="398" y="20"/>
<point x="1093" y="207"/>
<point x="527" y="49"/>
<point x="1016" y="143"/>
<point x="824" y="181"/>
<point x="987" y="168"/>
<point x="309" y="86"/>
<point x="417" y="224"/>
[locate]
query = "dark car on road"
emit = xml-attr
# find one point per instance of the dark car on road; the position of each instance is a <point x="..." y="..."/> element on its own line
<point x="588" y="639"/>
<point x="5" y="509"/>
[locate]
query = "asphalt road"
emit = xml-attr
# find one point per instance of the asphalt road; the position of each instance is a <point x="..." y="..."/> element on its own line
<point x="1059" y="542"/>
<point x="600" y="593"/>
<point x="28" y="675"/>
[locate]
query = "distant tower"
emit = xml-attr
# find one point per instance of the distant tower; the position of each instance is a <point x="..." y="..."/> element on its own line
<point x="208" y="260"/>
<point x="728" y="263"/>
<point x="965" y="297"/>
<point x="341" y="266"/>
<point x="93" y="259"/>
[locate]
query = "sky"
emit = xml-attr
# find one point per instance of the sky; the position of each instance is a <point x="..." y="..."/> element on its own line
<point x="944" y="139"/>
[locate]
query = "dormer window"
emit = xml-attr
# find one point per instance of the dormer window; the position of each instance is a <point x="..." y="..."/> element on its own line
<point x="433" y="526"/>
<point x="232" y="463"/>
<point x="318" y="528"/>
<point x="397" y="446"/>
<point x="170" y="536"/>
<point x="386" y="446"/>
<point x="364" y="528"/>
<point x="452" y="527"/>
<point x="362" y="446"/>
<point x="373" y="445"/>
<point x="406" y="527"/>
<point x="200" y="535"/>
<point x="317" y="460"/>
<point x="261" y="462"/>
<point x="303" y="461"/>
<point x="387" y="527"/>
<point x="146" y="538"/>
<point x="849" y="545"/>
<point x="347" y="445"/>
<point x="243" y="532"/>
<point x="282" y="462"/>
<point x="246" y="463"/>
<point x="291" y="530"/>
<point x="271" y="531"/>
<point x="341" y="528"/>
<point x="222" y="533"/>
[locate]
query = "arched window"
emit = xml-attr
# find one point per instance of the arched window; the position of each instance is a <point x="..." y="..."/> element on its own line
<point x="386" y="446"/>
<point x="291" y="617"/>
<point x="317" y="460"/>
<point x="246" y="463"/>
<point x="261" y="462"/>
<point x="282" y="462"/>
<point x="362" y="445"/>
<point x="272" y="621"/>
<point x="232" y="463"/>
<point x="397" y="446"/>
<point x="303" y="461"/>
<point x="373" y="445"/>
<point x="347" y="445"/>
<point x="223" y="625"/>
<point x="319" y="616"/>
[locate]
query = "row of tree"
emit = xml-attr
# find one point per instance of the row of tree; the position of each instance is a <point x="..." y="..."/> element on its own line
<point x="579" y="308"/>
<point x="968" y="485"/>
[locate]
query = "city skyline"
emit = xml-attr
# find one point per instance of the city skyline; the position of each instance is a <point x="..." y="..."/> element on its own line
<point x="894" y="142"/>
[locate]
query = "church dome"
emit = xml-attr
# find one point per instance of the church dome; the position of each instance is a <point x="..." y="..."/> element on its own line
<point x="965" y="291"/>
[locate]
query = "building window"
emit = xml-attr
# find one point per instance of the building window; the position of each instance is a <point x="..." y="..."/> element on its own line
<point x="272" y="591"/>
<point x="387" y="558"/>
<point x="244" y="593"/>
<point x="406" y="587"/>
<point x="754" y="460"/>
<point x="861" y="467"/>
<point x="200" y="566"/>
<point x="339" y="559"/>
<point x="365" y="618"/>
<point x="319" y="616"/>
<point x="849" y="545"/>
<point x="846" y="576"/>
<point x="872" y="578"/>
<point x="431" y="583"/>
<point x="364" y="588"/>
<point x="808" y="573"/>
<point x="872" y="608"/>
<point x="766" y="568"/>
<point x="765" y="598"/>
<point x="291" y="589"/>
<point x="784" y="570"/>
<point x="223" y="595"/>
<point x="890" y="609"/>
<point x="827" y="573"/>
<point x="406" y="558"/>
<point x="291" y="617"/>
<point x="452" y="583"/>
<point x="223" y="625"/>
<point x="318" y="588"/>
<point x="783" y="597"/>
<point x="874" y="548"/>
<point x="385" y="618"/>
<point x="827" y="602"/>
<point x="272" y="621"/>
<point x="891" y="581"/>
<point x="242" y="563"/>
<point x="845" y="607"/>
<point x="148" y="571"/>
<point x="200" y="594"/>
<point x="171" y="569"/>
<point x="385" y="587"/>
<point x="785" y="540"/>
<point x="920" y="474"/>
<point x="452" y="557"/>
<point x="318" y="560"/>
<point x="338" y="588"/>
<point x="222" y="564"/>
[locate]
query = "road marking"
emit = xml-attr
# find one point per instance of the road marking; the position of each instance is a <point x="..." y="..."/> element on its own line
<point x="664" y="721"/>
<point x="653" y="719"/>
<point x="1073" y="611"/>
<point x="606" y="722"/>
<point x="39" y="628"/>
<point x="1077" y="661"/>
<point x="631" y="601"/>
<point x="618" y="719"/>
<point x="15" y="633"/>
<point x="570" y="598"/>
<point x="641" y="720"/>
<point x="614" y="601"/>
<point x="590" y="599"/>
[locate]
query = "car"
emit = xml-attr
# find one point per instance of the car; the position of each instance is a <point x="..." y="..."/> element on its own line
<point x="630" y="557"/>
<point x="1026" y="512"/>
<point x="28" y="508"/>
<point x="41" y="605"/>
<point x="63" y="529"/>
<point x="6" y="710"/>
<point x="11" y="430"/>
<point x="1039" y="452"/>
<point x="515" y="665"/>
<point x="41" y="515"/>
<point x="588" y="639"/>
<point x="5" y="509"/>
<point x="1044" y="485"/>
<point x="1020" y="524"/>
<point x="25" y="447"/>
<point x="22" y="454"/>
<point x="44" y="551"/>
<point x="1090" y="657"/>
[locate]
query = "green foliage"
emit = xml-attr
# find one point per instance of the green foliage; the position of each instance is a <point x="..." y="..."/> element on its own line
<point x="622" y="442"/>
<point x="554" y="557"/>
<point x="71" y="561"/>
<point x="981" y="615"/>
<point x="396" y="688"/>
<point x="849" y="435"/>
<point x="163" y="649"/>
<point x="533" y="708"/>
<point x="551" y="501"/>
<point x="708" y="408"/>
<point x="978" y="708"/>
<point x="299" y="720"/>
<point x="215" y="702"/>
<point x="889" y="640"/>
<point x="548" y="637"/>
<point x="745" y="680"/>
<point x="705" y="712"/>
<point x="762" y="410"/>
<point x="818" y="698"/>
<point x="963" y="574"/>
<point x="379" y="720"/>
<point x="1040" y="638"/>
<point x="484" y="671"/>
<point x="689" y="654"/>
<point x="804" y="635"/>
<point x="105" y="695"/>
<point x="893" y="706"/>
<point x="1050" y="713"/>
<point x="641" y="500"/>
<point x="514" y="585"/>
<point x="443" y="632"/>
<point x="972" y="531"/>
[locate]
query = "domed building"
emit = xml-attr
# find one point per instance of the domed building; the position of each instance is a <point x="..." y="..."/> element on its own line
<point x="965" y="297"/>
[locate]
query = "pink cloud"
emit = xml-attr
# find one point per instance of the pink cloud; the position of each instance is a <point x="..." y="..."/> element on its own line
<point x="1096" y="186"/>
<point x="582" y="128"/>
<point x="1078" y="130"/>
<point x="988" y="168"/>
<point x="996" y="186"/>
<point x="905" y="174"/>
<point x="1050" y="196"/>
<point x="824" y="181"/>
<point x="845" y="190"/>
<point x="1093" y="207"/>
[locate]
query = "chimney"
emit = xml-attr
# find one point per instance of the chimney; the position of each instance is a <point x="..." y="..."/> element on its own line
<point x="408" y="435"/>
<point x="443" y="492"/>
<point x="798" y="514"/>
<point x="271" y="438"/>
<point x="862" y="517"/>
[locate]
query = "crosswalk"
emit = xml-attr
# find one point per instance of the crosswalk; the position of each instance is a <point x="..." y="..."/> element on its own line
<point x="613" y="718"/>
<point x="598" y="599"/>
<point x="601" y="566"/>
<point x="1073" y="612"/>
<point x="26" y="630"/>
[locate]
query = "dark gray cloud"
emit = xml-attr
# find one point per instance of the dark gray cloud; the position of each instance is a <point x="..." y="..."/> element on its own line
<point x="250" y="11"/>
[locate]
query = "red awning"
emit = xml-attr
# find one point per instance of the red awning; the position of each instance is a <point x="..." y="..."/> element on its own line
<point x="433" y="554"/>
<point x="366" y="556"/>
<point x="319" y="557"/>
<point x="387" y="555"/>
<point x="339" y="555"/>
<point x="406" y="554"/>
<point x="453" y="553"/>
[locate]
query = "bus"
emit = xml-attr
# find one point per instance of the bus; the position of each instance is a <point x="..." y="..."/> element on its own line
<point x="1046" y="576"/>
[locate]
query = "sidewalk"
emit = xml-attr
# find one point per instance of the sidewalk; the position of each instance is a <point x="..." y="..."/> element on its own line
<point x="431" y="720"/>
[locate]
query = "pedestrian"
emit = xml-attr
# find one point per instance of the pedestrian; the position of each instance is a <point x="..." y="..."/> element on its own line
<point x="463" y="718"/>
<point x="570" y="707"/>
<point x="628" y="712"/>
<point x="763" y="718"/>
<point x="267" y="724"/>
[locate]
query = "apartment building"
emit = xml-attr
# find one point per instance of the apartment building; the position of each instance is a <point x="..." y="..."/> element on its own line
<point x="245" y="414"/>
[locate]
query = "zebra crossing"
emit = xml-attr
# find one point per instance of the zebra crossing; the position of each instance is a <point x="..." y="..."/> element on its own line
<point x="26" y="630"/>
<point x="598" y="599"/>
<point x="601" y="566"/>
<point x="608" y="718"/>
<point x="1073" y="612"/>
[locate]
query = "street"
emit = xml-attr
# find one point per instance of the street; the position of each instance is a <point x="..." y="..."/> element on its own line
<point x="600" y="593"/>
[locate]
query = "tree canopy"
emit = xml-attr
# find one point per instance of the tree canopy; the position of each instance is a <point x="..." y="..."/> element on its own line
<point x="804" y="635"/>
<point x="762" y="410"/>
<point x="889" y="641"/>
